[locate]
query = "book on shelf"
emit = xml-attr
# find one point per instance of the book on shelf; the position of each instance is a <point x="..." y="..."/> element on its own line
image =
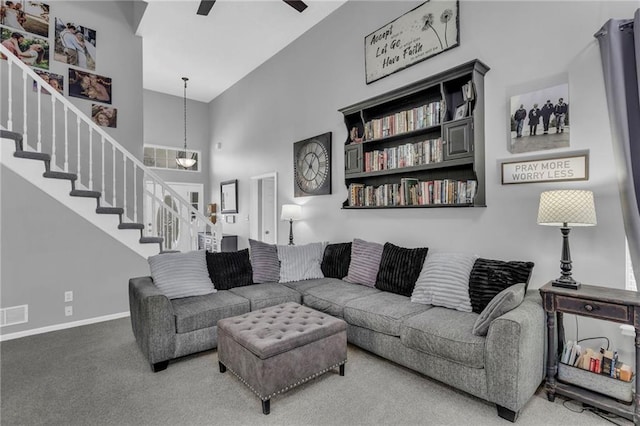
<point x="603" y="362"/>
<point x="403" y="121"/>
<point x="406" y="155"/>
<point x="412" y="192"/>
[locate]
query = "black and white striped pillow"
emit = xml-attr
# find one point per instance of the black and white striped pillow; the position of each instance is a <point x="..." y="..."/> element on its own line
<point x="181" y="274"/>
<point x="365" y="262"/>
<point x="264" y="262"/>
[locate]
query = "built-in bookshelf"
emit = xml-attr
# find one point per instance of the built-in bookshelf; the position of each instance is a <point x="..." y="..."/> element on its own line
<point x="421" y="145"/>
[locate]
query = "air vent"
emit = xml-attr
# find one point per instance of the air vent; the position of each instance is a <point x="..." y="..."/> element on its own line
<point x="14" y="315"/>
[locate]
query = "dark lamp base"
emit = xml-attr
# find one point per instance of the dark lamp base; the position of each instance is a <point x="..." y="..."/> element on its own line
<point x="564" y="283"/>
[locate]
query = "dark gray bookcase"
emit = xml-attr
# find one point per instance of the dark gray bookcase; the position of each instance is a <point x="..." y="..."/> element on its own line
<point x="462" y="136"/>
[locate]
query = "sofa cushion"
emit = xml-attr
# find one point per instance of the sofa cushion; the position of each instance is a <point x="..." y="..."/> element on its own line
<point x="181" y="274"/>
<point x="269" y="294"/>
<point x="195" y="313"/>
<point x="336" y="260"/>
<point x="444" y="281"/>
<point x="400" y="268"/>
<point x="299" y="263"/>
<point x="445" y="333"/>
<point x="489" y="277"/>
<point x="505" y="301"/>
<point x="230" y="269"/>
<point x="365" y="262"/>
<point x="303" y="287"/>
<point x="332" y="297"/>
<point x="264" y="262"/>
<point x="382" y="312"/>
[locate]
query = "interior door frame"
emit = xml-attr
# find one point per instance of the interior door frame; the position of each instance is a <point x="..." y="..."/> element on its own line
<point x="254" y="208"/>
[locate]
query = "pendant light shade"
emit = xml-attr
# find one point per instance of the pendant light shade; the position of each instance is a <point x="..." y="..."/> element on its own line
<point x="184" y="159"/>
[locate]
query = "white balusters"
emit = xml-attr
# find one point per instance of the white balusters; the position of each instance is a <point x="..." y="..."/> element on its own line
<point x="10" y="86"/>
<point x="113" y="203"/>
<point x="135" y="193"/>
<point x="90" y="159"/>
<point x="124" y="186"/>
<point x="103" y="180"/>
<point x="25" y="120"/>
<point x="153" y="210"/>
<point x="78" y="142"/>
<point x="39" y="95"/>
<point x="66" y="138"/>
<point x="53" y="131"/>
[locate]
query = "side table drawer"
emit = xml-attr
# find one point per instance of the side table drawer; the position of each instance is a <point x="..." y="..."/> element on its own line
<point x="601" y="310"/>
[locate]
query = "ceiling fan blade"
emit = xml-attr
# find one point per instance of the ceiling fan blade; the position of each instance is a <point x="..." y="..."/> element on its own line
<point x="296" y="4"/>
<point x="205" y="7"/>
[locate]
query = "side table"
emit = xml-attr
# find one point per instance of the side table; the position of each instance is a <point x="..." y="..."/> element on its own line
<point x="621" y="306"/>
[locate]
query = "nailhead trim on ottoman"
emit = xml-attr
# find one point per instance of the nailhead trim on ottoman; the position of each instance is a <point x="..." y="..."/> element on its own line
<point x="278" y="348"/>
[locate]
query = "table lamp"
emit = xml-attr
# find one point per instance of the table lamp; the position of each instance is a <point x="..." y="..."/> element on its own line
<point x="291" y="212"/>
<point x="566" y="208"/>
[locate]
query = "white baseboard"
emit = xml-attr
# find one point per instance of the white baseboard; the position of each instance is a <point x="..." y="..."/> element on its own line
<point x="62" y="326"/>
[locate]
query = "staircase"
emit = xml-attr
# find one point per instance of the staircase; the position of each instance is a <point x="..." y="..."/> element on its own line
<point x="88" y="171"/>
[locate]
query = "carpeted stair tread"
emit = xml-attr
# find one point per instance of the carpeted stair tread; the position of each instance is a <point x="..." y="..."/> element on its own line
<point x="169" y="251"/>
<point x="110" y="210"/>
<point x="131" y="226"/>
<point x="84" y="193"/>
<point x="151" y="240"/>
<point x="43" y="156"/>
<point x="60" y="175"/>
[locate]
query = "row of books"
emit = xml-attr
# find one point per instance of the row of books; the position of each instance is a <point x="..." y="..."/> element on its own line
<point x="407" y="155"/>
<point x="403" y="121"/>
<point x="413" y="192"/>
<point x="602" y="362"/>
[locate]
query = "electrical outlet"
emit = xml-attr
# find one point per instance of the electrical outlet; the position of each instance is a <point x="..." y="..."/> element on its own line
<point x="68" y="296"/>
<point x="68" y="311"/>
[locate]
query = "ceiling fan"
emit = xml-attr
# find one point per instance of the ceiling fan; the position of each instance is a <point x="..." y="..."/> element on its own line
<point x="205" y="6"/>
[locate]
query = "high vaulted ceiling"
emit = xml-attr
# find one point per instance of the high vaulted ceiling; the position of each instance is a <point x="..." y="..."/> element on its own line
<point x="217" y="50"/>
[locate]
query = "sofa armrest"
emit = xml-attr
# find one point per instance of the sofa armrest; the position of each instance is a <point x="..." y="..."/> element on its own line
<point x="152" y="320"/>
<point x="515" y="353"/>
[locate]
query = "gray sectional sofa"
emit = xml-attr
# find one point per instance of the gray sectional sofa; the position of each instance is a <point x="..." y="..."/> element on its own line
<point x="504" y="367"/>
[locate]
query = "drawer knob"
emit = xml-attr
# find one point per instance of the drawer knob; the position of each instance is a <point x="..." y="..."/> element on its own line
<point x="588" y="307"/>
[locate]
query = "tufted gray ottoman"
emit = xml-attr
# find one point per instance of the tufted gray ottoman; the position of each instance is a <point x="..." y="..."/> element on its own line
<point x="274" y="349"/>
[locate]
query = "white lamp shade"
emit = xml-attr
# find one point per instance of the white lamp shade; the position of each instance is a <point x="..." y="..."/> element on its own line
<point x="186" y="162"/>
<point x="291" y="212"/>
<point x="571" y="206"/>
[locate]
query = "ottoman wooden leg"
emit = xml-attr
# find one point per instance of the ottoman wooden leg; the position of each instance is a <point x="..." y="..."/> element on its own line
<point x="266" y="406"/>
<point x="223" y="368"/>
<point x="342" y="369"/>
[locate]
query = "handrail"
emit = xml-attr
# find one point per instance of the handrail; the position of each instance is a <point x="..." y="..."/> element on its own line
<point x="127" y="156"/>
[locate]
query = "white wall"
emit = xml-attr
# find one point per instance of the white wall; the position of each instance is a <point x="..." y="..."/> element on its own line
<point x="45" y="249"/>
<point x="164" y="125"/>
<point x="527" y="45"/>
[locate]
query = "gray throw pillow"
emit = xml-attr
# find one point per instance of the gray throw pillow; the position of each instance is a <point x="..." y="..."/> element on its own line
<point x="365" y="262"/>
<point x="264" y="262"/>
<point x="444" y="281"/>
<point x="181" y="274"/>
<point x="505" y="301"/>
<point x="299" y="263"/>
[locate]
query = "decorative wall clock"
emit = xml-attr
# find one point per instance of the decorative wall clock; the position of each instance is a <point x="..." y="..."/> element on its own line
<point x="312" y="166"/>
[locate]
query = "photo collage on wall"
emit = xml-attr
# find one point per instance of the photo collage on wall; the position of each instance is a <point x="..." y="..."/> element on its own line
<point x="24" y="31"/>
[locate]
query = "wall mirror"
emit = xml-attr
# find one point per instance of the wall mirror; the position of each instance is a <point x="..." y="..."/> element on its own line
<point x="229" y="196"/>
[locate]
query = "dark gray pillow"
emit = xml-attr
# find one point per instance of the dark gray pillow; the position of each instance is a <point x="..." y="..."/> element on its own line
<point x="336" y="260"/>
<point x="230" y="269"/>
<point x="400" y="268"/>
<point x="181" y="274"/>
<point x="505" y="301"/>
<point x="264" y="262"/>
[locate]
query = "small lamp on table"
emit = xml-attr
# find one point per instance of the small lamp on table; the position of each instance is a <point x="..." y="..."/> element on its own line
<point x="566" y="208"/>
<point x="291" y="212"/>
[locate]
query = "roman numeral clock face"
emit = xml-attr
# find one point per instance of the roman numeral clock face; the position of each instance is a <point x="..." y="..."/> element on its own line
<point x="312" y="166"/>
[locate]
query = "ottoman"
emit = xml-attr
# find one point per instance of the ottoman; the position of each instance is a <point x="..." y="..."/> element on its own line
<point x="274" y="349"/>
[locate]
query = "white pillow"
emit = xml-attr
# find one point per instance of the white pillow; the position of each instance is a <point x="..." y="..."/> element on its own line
<point x="299" y="263"/>
<point x="181" y="274"/>
<point x="444" y="281"/>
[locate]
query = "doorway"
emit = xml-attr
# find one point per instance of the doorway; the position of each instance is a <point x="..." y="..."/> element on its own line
<point x="263" y="213"/>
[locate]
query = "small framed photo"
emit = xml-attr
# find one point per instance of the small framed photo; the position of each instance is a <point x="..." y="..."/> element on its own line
<point x="461" y="111"/>
<point x="229" y="196"/>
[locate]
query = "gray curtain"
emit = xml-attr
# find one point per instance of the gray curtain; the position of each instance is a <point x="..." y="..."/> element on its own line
<point x="620" y="53"/>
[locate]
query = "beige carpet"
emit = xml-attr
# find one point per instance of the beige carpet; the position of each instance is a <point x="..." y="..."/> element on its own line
<point x="95" y="375"/>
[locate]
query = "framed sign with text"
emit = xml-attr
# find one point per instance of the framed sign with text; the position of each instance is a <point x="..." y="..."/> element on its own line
<point x="550" y="169"/>
<point x="419" y="34"/>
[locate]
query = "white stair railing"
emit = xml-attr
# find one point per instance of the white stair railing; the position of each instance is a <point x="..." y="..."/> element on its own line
<point x="100" y="162"/>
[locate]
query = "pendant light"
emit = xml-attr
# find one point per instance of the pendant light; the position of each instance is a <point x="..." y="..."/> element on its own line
<point x="183" y="158"/>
